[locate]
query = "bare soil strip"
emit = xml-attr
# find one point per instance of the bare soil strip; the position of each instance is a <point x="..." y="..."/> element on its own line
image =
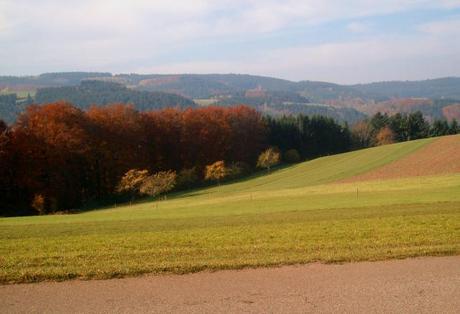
<point x="422" y="285"/>
<point x="442" y="156"/>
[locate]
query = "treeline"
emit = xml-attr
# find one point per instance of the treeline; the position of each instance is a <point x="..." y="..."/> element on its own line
<point x="344" y="114"/>
<point x="309" y="136"/>
<point x="50" y="79"/>
<point x="64" y="157"/>
<point x="93" y="92"/>
<point x="383" y="129"/>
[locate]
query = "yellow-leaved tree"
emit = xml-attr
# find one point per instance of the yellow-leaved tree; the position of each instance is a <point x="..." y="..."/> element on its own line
<point x="269" y="158"/>
<point x="216" y="171"/>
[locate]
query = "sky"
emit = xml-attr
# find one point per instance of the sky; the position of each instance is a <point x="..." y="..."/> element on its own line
<point x="352" y="41"/>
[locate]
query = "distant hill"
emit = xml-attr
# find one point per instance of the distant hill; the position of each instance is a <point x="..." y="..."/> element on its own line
<point x="209" y="85"/>
<point x="274" y="95"/>
<point x="89" y="93"/>
<point x="349" y="115"/>
<point x="101" y="93"/>
<point x="10" y="107"/>
<point x="287" y="103"/>
<point x="441" y="88"/>
<point x="48" y="79"/>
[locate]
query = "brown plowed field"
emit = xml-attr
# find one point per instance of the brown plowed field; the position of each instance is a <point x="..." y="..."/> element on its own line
<point x="442" y="156"/>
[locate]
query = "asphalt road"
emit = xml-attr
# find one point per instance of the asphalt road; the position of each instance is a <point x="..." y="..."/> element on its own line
<point x="422" y="285"/>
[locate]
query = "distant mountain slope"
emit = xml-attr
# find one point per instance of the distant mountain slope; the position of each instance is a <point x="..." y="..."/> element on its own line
<point x="349" y="115"/>
<point x="208" y="85"/>
<point x="277" y="96"/>
<point x="203" y="85"/>
<point x="10" y="107"/>
<point x="91" y="93"/>
<point x="452" y="112"/>
<point x="101" y="93"/>
<point x="49" y="79"/>
<point x="448" y="87"/>
<point x="323" y="91"/>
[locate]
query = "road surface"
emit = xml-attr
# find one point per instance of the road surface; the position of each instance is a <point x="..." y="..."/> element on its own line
<point x="421" y="285"/>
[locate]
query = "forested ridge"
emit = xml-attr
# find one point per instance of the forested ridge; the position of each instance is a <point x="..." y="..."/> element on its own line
<point x="274" y="96"/>
<point x="208" y="85"/>
<point x="88" y="93"/>
<point x="102" y="93"/>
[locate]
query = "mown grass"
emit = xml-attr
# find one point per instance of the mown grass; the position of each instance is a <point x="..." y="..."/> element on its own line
<point x="294" y="215"/>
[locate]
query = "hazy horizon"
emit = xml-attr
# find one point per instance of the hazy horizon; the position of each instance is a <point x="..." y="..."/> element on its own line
<point x="356" y="42"/>
<point x="229" y="73"/>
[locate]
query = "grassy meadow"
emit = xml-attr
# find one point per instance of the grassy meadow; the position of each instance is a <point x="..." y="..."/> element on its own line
<point x="20" y="93"/>
<point x="295" y="214"/>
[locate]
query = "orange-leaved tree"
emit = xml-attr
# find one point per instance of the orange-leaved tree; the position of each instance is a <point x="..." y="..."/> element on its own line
<point x="216" y="171"/>
<point x="385" y="136"/>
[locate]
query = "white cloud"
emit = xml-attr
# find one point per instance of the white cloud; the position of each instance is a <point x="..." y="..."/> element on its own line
<point x="208" y="17"/>
<point x="351" y="62"/>
<point x="358" y="27"/>
<point x="449" y="27"/>
<point x="450" y="3"/>
<point x="54" y="35"/>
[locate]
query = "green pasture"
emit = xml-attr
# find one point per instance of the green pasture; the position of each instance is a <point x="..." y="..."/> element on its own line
<point x="19" y="93"/>
<point x="204" y="102"/>
<point x="296" y="214"/>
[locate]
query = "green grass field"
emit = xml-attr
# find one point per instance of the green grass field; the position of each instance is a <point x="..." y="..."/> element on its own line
<point x="296" y="214"/>
<point x="205" y="102"/>
<point x="19" y="93"/>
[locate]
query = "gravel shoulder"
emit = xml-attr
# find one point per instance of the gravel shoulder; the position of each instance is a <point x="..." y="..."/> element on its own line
<point x="420" y="285"/>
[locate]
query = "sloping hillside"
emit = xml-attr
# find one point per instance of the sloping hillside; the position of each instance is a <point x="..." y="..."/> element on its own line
<point x="101" y="93"/>
<point x="440" y="157"/>
<point x="294" y="215"/>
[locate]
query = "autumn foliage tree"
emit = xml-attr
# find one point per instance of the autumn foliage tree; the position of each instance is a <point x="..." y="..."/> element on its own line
<point x="59" y="157"/>
<point x="361" y="134"/>
<point x="120" y="144"/>
<point x="216" y="171"/>
<point x="187" y="177"/>
<point x="158" y="183"/>
<point x="269" y="158"/>
<point x="292" y="156"/>
<point x="8" y="192"/>
<point x="132" y="181"/>
<point x="385" y="136"/>
<point x="52" y="143"/>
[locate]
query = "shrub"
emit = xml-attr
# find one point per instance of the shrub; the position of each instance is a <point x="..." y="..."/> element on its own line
<point x="385" y="136"/>
<point x="361" y="135"/>
<point x="38" y="203"/>
<point x="238" y="169"/>
<point x="216" y="171"/>
<point x="187" y="178"/>
<point x="269" y="158"/>
<point x="292" y="156"/>
<point x="132" y="181"/>
<point x="159" y="183"/>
